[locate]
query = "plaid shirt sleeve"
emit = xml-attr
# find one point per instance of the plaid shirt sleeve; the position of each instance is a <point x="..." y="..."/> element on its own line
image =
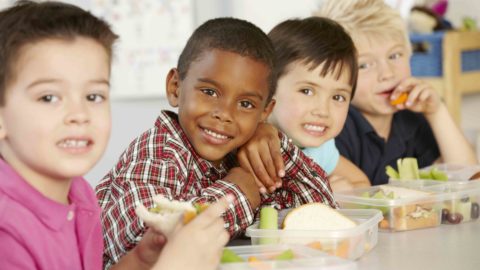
<point x="304" y="181"/>
<point x="120" y="192"/>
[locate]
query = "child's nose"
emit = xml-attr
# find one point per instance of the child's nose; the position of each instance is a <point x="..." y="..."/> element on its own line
<point x="77" y="113"/>
<point x="223" y="113"/>
<point x="385" y="71"/>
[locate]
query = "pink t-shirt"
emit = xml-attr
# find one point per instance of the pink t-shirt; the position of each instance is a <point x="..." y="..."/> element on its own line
<point x="38" y="233"/>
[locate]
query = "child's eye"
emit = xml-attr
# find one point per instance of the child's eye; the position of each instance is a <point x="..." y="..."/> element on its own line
<point x="364" y="65"/>
<point x="95" y="98"/>
<point x="209" y="92"/>
<point x="339" y="98"/>
<point x="246" y="104"/>
<point x="49" y="98"/>
<point x="396" y="55"/>
<point x="306" y="91"/>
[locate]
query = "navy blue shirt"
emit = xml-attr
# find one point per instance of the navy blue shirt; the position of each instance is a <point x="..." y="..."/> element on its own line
<point x="410" y="136"/>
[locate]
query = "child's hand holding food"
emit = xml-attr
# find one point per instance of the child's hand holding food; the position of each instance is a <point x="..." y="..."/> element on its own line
<point x="416" y="95"/>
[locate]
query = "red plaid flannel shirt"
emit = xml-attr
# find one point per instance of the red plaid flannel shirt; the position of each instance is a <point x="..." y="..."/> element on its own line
<point x="162" y="161"/>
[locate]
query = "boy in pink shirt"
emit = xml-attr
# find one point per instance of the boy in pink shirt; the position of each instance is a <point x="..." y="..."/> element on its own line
<point x="54" y="126"/>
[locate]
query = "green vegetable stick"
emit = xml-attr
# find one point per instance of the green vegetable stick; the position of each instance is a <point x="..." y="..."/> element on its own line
<point x="285" y="256"/>
<point x="268" y="221"/>
<point x="228" y="256"/>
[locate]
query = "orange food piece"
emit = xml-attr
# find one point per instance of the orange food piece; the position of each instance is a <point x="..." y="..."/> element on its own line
<point x="188" y="216"/>
<point x="342" y="249"/>
<point x="400" y="99"/>
<point x="316" y="245"/>
<point x="253" y="259"/>
<point x="384" y="224"/>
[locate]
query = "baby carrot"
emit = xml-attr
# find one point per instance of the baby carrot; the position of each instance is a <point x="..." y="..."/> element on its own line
<point x="400" y="99"/>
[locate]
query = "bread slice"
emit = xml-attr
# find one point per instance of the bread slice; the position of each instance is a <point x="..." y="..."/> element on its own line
<point x="316" y="216"/>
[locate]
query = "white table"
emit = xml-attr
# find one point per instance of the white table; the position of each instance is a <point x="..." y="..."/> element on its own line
<point x="447" y="247"/>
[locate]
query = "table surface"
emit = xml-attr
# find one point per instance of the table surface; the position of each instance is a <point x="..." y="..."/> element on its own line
<point x="447" y="247"/>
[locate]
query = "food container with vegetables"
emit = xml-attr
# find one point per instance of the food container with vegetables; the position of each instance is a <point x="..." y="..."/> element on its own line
<point x="346" y="233"/>
<point x="292" y="257"/>
<point x="403" y="208"/>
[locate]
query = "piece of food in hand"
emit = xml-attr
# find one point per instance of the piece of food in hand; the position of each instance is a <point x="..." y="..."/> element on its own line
<point x="166" y="214"/>
<point x="400" y="99"/>
<point x="316" y="216"/>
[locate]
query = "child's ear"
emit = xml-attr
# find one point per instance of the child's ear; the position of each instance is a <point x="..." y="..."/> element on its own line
<point x="268" y="109"/>
<point x="172" y="86"/>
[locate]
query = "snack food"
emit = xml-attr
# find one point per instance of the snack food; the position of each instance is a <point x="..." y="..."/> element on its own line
<point x="400" y="217"/>
<point x="400" y="99"/>
<point x="316" y="216"/>
<point x="167" y="213"/>
<point x="407" y="169"/>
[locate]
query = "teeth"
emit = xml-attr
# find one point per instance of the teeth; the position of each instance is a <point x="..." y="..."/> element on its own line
<point x="73" y="143"/>
<point x="314" y="128"/>
<point x="216" y="135"/>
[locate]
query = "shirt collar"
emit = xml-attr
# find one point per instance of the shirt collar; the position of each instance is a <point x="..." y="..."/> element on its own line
<point x="402" y="126"/>
<point x="360" y="121"/>
<point x="51" y="213"/>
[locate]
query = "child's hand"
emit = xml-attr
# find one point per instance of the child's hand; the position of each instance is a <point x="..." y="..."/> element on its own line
<point x="422" y="97"/>
<point x="246" y="182"/>
<point x="197" y="245"/>
<point x="262" y="157"/>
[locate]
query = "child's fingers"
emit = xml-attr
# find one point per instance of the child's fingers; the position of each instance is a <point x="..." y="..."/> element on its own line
<point x="416" y="92"/>
<point x="276" y="154"/>
<point x="245" y="164"/>
<point x="267" y="159"/>
<point x="259" y="169"/>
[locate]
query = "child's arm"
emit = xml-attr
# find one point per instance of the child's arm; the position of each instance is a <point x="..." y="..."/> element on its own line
<point x="140" y="180"/>
<point x="454" y="148"/>
<point x="347" y="176"/>
<point x="261" y="156"/>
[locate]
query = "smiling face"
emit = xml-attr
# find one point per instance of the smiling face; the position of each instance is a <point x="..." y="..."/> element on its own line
<point x="383" y="64"/>
<point x="309" y="108"/>
<point x="55" y="122"/>
<point x="220" y="102"/>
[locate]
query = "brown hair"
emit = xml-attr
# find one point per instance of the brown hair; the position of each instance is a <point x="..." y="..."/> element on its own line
<point x="314" y="41"/>
<point x="27" y="22"/>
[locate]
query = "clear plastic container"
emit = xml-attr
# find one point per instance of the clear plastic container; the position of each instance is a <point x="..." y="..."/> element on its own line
<point x="457" y="172"/>
<point x="460" y="201"/>
<point x="413" y="209"/>
<point x="304" y="258"/>
<point x="347" y="243"/>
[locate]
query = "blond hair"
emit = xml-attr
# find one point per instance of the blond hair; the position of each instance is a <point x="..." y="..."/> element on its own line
<point x="366" y="19"/>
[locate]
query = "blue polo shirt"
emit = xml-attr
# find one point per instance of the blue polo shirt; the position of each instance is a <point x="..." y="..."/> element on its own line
<point x="410" y="136"/>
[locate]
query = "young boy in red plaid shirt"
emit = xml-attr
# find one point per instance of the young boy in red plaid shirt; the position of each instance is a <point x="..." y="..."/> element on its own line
<point x="223" y="87"/>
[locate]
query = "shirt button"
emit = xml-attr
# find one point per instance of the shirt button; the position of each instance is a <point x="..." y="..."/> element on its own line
<point x="70" y="215"/>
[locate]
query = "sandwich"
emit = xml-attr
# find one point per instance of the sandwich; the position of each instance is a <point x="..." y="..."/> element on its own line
<point x="167" y="214"/>
<point x="316" y="216"/>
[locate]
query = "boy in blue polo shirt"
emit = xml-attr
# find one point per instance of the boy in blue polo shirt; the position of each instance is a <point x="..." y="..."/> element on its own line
<point x="376" y="132"/>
